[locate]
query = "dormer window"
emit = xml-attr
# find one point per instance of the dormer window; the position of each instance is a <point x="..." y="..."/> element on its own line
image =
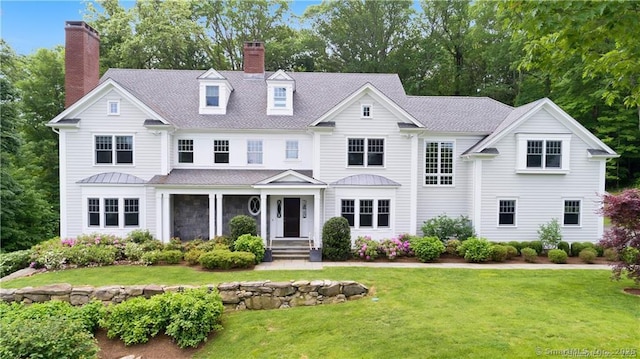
<point x="280" y="97"/>
<point x="113" y="108"/>
<point x="213" y="96"/>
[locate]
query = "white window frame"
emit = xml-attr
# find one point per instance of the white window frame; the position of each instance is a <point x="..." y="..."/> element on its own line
<point x="228" y="151"/>
<point x="254" y="199"/>
<point x="439" y="174"/>
<point x="206" y="90"/>
<point x="114" y="151"/>
<point x="524" y="138"/>
<point x="580" y="210"/>
<point x="254" y="151"/>
<point x="110" y="103"/>
<point x="515" y="212"/>
<point x="366" y="152"/>
<point x="366" y="110"/>
<point x="183" y="150"/>
<point x="279" y="97"/>
<point x="375" y="211"/>
<point x="89" y="212"/>
<point x="118" y="212"/>
<point x="124" y="212"/>
<point x="292" y="149"/>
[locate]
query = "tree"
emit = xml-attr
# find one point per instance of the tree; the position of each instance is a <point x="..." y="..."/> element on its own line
<point x="624" y="235"/>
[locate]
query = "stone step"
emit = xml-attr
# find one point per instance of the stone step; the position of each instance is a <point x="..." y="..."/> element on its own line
<point x="290" y="256"/>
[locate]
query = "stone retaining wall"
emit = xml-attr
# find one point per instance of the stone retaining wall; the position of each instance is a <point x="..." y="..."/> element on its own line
<point x="235" y="295"/>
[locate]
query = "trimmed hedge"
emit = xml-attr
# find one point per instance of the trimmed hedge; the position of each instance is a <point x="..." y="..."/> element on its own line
<point x="336" y="238"/>
<point x="588" y="255"/>
<point x="427" y="249"/>
<point x="240" y="225"/>
<point x="557" y="256"/>
<point x="499" y="253"/>
<point x="530" y="255"/>
<point x="223" y="259"/>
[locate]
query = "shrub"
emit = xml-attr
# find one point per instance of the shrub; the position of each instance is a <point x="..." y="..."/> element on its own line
<point x="550" y="234"/>
<point x="524" y="245"/>
<point x="565" y="247"/>
<point x="530" y="255"/>
<point x="140" y="236"/>
<point x="428" y="249"/>
<point x="53" y="329"/>
<point x="475" y="250"/>
<point x="444" y="227"/>
<point x="175" y="244"/>
<point x="610" y="254"/>
<point x="14" y="261"/>
<point x="51" y="258"/>
<point x="193" y="256"/>
<point x="240" y="225"/>
<point x="249" y="243"/>
<point x="336" y="238"/>
<point x="515" y="245"/>
<point x="221" y="259"/>
<point x="171" y="256"/>
<point x="576" y="248"/>
<point x="193" y="244"/>
<point x="150" y="258"/>
<point x="588" y="255"/>
<point x="511" y="251"/>
<point x="188" y="317"/>
<point x="452" y="245"/>
<point x="557" y="256"/>
<point x="84" y="255"/>
<point x="499" y="253"/>
<point x="394" y="247"/>
<point x="366" y="248"/>
<point x="599" y="249"/>
<point x="630" y="255"/>
<point x="222" y="240"/>
<point x="152" y="245"/>
<point x="538" y="246"/>
<point x="133" y="251"/>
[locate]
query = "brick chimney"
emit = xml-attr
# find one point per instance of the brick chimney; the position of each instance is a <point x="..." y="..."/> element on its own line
<point x="253" y="63"/>
<point x="81" y="60"/>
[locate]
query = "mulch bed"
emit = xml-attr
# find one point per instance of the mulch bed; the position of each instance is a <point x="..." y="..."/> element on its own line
<point x="160" y="347"/>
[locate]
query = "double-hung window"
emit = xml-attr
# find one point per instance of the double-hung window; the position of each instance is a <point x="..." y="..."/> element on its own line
<point x="106" y="152"/>
<point x="212" y="96"/>
<point x="348" y="210"/>
<point x="507" y="212"/>
<point x="220" y="151"/>
<point x="292" y="150"/>
<point x="438" y="163"/>
<point x="111" y="212"/>
<point x="254" y="152"/>
<point x="383" y="212"/>
<point x="93" y="209"/>
<point x="571" y="213"/>
<point x="366" y="213"/>
<point x="544" y="154"/>
<point x="279" y="97"/>
<point x="366" y="152"/>
<point x="185" y="151"/>
<point x="131" y="211"/>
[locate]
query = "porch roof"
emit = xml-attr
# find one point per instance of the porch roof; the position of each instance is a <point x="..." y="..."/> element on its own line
<point x="113" y="178"/>
<point x="366" y="180"/>
<point x="218" y="177"/>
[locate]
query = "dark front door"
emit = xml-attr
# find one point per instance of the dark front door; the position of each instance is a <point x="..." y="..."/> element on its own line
<point x="292" y="217"/>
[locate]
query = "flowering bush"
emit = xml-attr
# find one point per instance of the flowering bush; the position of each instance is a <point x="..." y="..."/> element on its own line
<point x="394" y="247"/>
<point x="367" y="248"/>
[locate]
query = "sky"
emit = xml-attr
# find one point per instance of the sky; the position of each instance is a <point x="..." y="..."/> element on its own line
<point x="28" y="25"/>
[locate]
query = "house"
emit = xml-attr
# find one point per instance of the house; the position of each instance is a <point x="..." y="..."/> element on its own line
<point x="180" y="152"/>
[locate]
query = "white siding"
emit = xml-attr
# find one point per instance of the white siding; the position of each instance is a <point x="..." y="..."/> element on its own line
<point x="397" y="162"/>
<point x="540" y="196"/>
<point x="273" y="150"/>
<point x="80" y="152"/>
<point x="452" y="201"/>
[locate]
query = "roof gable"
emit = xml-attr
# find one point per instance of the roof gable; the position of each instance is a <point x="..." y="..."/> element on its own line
<point x="290" y="177"/>
<point x="211" y="74"/>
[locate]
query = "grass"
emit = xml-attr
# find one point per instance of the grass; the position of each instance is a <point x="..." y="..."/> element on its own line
<point x="418" y="313"/>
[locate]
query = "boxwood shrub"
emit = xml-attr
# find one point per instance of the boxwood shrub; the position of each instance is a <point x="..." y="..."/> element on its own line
<point x="511" y="251"/>
<point x="223" y="259"/>
<point x="588" y="255"/>
<point x="564" y="246"/>
<point x="336" y="238"/>
<point x="499" y="253"/>
<point x="557" y="256"/>
<point x="240" y="225"/>
<point x="427" y="249"/>
<point x="611" y="254"/>
<point x="515" y="245"/>
<point x="530" y="255"/>
<point x="475" y="250"/>
<point x="252" y="244"/>
<point x="538" y="246"/>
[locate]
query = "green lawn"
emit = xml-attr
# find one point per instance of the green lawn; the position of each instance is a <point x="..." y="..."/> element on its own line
<point x="418" y="313"/>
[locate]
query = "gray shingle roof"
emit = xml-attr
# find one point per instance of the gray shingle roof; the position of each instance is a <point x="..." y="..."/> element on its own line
<point x="365" y="180"/>
<point x="217" y="177"/>
<point x="113" y="178"/>
<point x="174" y="95"/>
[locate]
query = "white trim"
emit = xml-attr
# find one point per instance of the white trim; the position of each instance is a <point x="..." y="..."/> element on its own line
<point x="297" y="149"/>
<point x="362" y="107"/>
<point x="261" y="152"/>
<point x="113" y="149"/>
<point x="113" y="102"/>
<point x="477" y="196"/>
<point x="293" y="173"/>
<point x="366" y="152"/>
<point x="601" y="191"/>
<point x="260" y="205"/>
<point x="62" y="155"/>
<point x="581" y="208"/>
<point x="413" y="199"/>
<point x="211" y="74"/>
<point x="439" y="175"/>
<point x="521" y="153"/>
<point x="515" y="214"/>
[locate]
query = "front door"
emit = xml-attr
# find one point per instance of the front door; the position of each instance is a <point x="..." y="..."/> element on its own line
<point x="292" y="217"/>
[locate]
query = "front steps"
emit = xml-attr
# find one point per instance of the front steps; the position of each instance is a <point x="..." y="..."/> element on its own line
<point x="290" y="248"/>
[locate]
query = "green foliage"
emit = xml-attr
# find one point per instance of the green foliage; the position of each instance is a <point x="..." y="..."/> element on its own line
<point x="150" y="258"/>
<point x="445" y="227"/>
<point x="511" y="251"/>
<point x="173" y="256"/>
<point x="550" y="234"/>
<point x="133" y="251"/>
<point x="252" y="244"/>
<point x="14" y="261"/>
<point x="537" y="245"/>
<point x="452" y="246"/>
<point x="557" y="256"/>
<point x="135" y="320"/>
<point x="611" y="254"/>
<point x="427" y="249"/>
<point x="366" y="248"/>
<point x="240" y="225"/>
<point x="175" y="244"/>
<point x="588" y="255"/>
<point x="530" y="255"/>
<point x="49" y="254"/>
<point x="140" y="236"/>
<point x="499" y="253"/>
<point x="564" y="246"/>
<point x="83" y="255"/>
<point x="630" y="256"/>
<point x="48" y="330"/>
<point x="193" y="256"/>
<point x="223" y="259"/>
<point x="577" y="247"/>
<point x="475" y="250"/>
<point x="336" y="239"/>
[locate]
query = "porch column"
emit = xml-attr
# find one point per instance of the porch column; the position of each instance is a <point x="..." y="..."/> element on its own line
<point x="316" y="221"/>
<point x="263" y="217"/>
<point x="218" y="214"/>
<point x="159" y="216"/>
<point x="212" y="215"/>
<point x="166" y="218"/>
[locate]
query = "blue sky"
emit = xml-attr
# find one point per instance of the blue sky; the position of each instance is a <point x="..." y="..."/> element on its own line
<point x="29" y="25"/>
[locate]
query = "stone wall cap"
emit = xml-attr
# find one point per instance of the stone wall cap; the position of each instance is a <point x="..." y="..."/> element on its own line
<point x="229" y="286"/>
<point x="279" y="284"/>
<point x="300" y="283"/>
